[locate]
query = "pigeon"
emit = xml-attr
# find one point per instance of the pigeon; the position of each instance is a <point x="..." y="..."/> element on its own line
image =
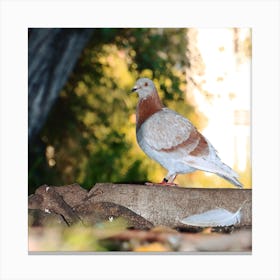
<point x="172" y="140"/>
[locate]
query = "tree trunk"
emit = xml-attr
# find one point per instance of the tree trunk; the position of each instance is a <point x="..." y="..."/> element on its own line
<point x="52" y="54"/>
<point x="167" y="206"/>
<point x="157" y="205"/>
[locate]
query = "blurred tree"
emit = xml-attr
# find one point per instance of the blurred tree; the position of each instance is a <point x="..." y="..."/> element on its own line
<point x="89" y="135"/>
<point x="52" y="54"/>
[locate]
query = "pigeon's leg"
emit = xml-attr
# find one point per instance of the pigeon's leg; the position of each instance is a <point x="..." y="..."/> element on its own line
<point x="167" y="181"/>
<point x="171" y="178"/>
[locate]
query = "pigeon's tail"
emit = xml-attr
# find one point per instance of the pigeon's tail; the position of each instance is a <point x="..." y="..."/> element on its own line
<point x="217" y="167"/>
<point x="232" y="180"/>
<point x="227" y="173"/>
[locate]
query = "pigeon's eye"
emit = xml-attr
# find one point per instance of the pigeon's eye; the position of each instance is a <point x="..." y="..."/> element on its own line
<point x="146" y="84"/>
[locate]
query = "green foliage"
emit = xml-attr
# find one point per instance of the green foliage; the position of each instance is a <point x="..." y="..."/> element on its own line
<point x="92" y="126"/>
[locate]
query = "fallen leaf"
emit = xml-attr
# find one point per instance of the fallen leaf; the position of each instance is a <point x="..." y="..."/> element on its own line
<point x="152" y="247"/>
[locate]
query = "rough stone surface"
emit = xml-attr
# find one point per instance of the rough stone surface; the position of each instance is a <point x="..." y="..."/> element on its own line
<point x="163" y="205"/>
<point x="48" y="200"/>
<point x="71" y="204"/>
<point x="96" y="212"/>
<point x="72" y="194"/>
<point x="39" y="218"/>
<point x="142" y="206"/>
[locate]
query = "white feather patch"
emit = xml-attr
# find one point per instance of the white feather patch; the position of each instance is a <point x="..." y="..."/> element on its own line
<point x="214" y="218"/>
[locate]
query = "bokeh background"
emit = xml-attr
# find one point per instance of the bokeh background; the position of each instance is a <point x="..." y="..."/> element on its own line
<point x="82" y="119"/>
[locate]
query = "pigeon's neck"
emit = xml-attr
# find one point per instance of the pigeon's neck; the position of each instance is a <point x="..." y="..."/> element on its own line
<point x="147" y="107"/>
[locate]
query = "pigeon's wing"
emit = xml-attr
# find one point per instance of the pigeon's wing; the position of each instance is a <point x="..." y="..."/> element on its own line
<point x="167" y="131"/>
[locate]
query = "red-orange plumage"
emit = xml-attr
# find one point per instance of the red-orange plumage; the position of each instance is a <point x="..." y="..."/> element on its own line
<point x="146" y="108"/>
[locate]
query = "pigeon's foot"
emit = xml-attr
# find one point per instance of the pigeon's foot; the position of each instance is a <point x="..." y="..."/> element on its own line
<point x="163" y="183"/>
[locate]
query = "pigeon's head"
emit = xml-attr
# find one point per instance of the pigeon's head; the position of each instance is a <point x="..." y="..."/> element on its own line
<point x="144" y="87"/>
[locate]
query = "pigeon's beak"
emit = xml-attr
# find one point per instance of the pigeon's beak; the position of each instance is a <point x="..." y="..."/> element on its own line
<point x="134" y="89"/>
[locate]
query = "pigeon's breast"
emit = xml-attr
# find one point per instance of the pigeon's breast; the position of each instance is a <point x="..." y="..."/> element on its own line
<point x="165" y="129"/>
<point x="162" y="131"/>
